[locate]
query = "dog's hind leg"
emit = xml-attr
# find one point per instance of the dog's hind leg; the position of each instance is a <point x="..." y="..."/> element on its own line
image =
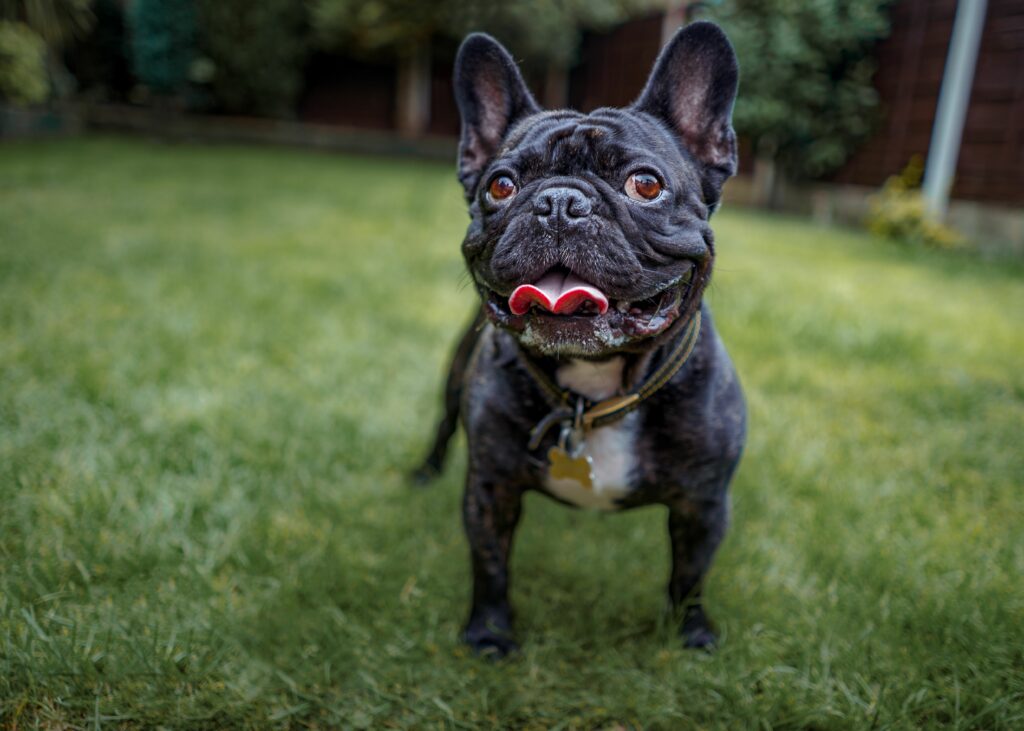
<point x="695" y="529"/>
<point x="434" y="462"/>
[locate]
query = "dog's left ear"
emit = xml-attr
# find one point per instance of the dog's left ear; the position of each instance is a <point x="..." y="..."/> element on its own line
<point x="491" y="96"/>
<point x="692" y="89"/>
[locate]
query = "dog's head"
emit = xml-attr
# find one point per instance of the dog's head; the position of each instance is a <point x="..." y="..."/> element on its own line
<point x="589" y="232"/>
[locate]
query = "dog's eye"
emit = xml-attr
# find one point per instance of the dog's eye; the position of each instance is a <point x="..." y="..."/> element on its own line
<point x="643" y="187"/>
<point x="501" y="188"/>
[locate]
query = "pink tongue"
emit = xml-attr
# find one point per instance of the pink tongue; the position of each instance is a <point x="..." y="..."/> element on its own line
<point x="562" y="294"/>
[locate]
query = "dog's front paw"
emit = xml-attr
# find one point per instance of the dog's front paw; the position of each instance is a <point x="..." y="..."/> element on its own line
<point x="490" y="635"/>
<point x="696" y="630"/>
<point x="699" y="638"/>
<point x="425" y="474"/>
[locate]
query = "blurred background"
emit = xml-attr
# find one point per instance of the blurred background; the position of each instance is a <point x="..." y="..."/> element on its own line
<point x="230" y="282"/>
<point x="837" y="97"/>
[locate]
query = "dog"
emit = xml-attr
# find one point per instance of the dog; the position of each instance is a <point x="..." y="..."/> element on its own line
<point x="593" y="372"/>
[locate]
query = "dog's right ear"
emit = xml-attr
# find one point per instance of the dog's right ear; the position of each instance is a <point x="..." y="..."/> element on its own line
<point x="692" y="90"/>
<point x="492" y="97"/>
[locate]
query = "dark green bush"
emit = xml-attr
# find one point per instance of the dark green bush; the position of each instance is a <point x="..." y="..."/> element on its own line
<point x="99" y="61"/>
<point x="257" y="50"/>
<point x="806" y="94"/>
<point x="57" y="22"/>
<point x="540" y="31"/>
<point x="163" y="35"/>
<point x="22" y="64"/>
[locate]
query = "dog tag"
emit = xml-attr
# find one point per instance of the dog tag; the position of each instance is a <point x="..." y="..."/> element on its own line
<point x="566" y="460"/>
<point x="563" y="466"/>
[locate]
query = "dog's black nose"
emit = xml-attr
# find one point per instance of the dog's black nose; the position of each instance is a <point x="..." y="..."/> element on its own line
<point x="561" y="206"/>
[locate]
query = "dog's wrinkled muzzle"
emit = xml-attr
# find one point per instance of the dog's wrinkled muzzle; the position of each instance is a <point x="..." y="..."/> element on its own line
<point x="561" y="293"/>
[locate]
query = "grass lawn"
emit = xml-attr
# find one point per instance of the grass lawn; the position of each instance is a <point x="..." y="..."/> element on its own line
<point x="216" y="364"/>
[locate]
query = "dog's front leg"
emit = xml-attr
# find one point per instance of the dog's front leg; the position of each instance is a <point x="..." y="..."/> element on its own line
<point x="491" y="513"/>
<point x="696" y="528"/>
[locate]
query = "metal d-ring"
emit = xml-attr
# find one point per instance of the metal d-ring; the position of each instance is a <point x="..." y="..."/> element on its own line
<point x="575" y="430"/>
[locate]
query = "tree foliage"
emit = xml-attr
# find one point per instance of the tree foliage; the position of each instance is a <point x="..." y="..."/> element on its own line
<point x="257" y="50"/>
<point x="163" y="35"/>
<point x="541" y="31"/>
<point x="56" y="21"/>
<point x="22" y="64"/>
<point x="806" y="95"/>
<point x="367" y="27"/>
<point x="99" y="61"/>
<point x="544" y="30"/>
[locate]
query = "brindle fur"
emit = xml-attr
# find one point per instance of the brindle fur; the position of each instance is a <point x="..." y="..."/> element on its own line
<point x="690" y="433"/>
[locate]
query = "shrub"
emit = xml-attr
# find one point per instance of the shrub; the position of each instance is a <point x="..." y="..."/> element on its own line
<point x="99" y="61"/>
<point x="163" y="36"/>
<point x="23" y="77"/>
<point x="898" y="212"/>
<point x="57" y="22"/>
<point x="541" y="31"/>
<point x="257" y="52"/>
<point x="806" y="94"/>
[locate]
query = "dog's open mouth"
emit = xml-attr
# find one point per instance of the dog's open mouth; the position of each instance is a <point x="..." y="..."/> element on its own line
<point x="563" y="312"/>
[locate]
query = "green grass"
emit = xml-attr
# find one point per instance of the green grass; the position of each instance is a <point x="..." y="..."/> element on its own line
<point x="216" y="364"/>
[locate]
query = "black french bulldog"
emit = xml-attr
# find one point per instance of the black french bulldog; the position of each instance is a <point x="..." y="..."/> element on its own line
<point x="593" y="372"/>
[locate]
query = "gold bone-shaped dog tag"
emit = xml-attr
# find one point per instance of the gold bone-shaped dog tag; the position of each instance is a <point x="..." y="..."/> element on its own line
<point x="563" y="466"/>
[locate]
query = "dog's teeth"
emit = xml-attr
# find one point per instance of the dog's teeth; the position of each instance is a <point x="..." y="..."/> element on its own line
<point x="622" y="306"/>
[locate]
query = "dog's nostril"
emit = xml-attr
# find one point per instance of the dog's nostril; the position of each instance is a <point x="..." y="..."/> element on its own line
<point x="578" y="207"/>
<point x="542" y="205"/>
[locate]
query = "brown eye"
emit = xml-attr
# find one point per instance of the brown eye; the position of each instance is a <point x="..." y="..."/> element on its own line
<point x="643" y="187"/>
<point x="501" y="188"/>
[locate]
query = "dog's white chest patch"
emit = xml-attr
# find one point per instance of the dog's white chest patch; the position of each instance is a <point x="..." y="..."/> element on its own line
<point x="611" y="448"/>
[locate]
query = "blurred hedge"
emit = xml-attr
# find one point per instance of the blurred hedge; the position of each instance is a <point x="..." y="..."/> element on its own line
<point x="22" y="64"/>
<point x="257" y="51"/>
<point x="539" y="32"/>
<point x="163" y="34"/>
<point x="806" y="93"/>
<point x="100" y="61"/>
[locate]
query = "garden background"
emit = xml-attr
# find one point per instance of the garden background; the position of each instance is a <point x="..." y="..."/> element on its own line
<point x="216" y="369"/>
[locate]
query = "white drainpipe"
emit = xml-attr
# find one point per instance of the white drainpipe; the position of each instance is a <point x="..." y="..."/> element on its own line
<point x="957" y="79"/>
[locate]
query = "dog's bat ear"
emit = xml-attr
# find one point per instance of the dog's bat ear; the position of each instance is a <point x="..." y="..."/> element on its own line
<point x="492" y="97"/>
<point x="692" y="89"/>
